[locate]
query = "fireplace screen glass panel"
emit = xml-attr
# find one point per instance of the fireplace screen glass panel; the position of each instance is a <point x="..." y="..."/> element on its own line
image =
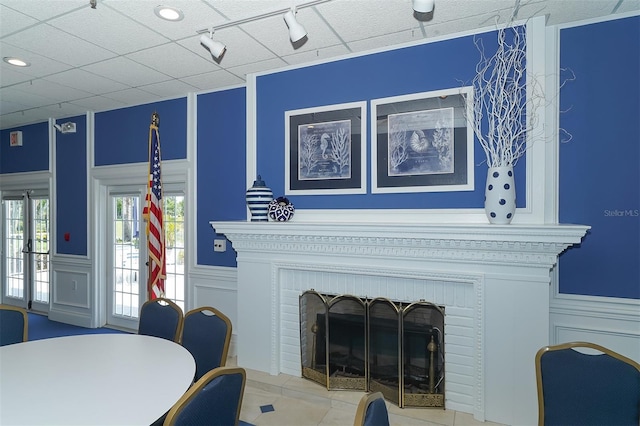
<point x="423" y="355"/>
<point x="347" y="343"/>
<point x="313" y="346"/>
<point x="384" y="349"/>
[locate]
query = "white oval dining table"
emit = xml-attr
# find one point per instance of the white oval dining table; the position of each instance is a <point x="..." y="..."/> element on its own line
<point x="92" y="379"/>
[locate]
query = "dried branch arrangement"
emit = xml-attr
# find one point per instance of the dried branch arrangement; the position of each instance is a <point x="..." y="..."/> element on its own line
<point x="500" y="94"/>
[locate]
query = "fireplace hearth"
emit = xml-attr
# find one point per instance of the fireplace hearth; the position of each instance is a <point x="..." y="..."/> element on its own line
<point x="374" y="345"/>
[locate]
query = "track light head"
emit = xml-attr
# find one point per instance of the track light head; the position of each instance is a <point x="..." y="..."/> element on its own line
<point x="423" y="6"/>
<point x="216" y="48"/>
<point x="296" y="31"/>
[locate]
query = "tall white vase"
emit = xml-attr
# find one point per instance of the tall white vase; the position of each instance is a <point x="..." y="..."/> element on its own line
<point x="500" y="195"/>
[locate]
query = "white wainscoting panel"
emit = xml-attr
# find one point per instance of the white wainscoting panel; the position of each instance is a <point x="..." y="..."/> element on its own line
<point x="216" y="287"/>
<point x="611" y="322"/>
<point x="71" y="291"/>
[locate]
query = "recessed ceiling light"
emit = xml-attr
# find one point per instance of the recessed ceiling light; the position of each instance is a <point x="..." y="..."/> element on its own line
<point x="169" y="13"/>
<point x="16" y="62"/>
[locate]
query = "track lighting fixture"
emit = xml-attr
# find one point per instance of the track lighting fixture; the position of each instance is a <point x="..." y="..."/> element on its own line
<point x="423" y="6"/>
<point x="216" y="48"/>
<point x="296" y="31"/>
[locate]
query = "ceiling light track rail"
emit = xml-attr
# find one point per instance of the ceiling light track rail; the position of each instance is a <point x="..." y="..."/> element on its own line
<point x="261" y="16"/>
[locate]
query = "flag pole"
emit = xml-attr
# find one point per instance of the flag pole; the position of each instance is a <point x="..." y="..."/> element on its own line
<point x="152" y="214"/>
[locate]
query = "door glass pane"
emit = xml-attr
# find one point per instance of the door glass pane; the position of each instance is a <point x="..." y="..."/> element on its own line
<point x="41" y="248"/>
<point x="173" y="215"/>
<point x="14" y="243"/>
<point x="126" y="266"/>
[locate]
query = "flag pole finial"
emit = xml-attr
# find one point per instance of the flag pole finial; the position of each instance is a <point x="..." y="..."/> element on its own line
<point x="155" y="119"/>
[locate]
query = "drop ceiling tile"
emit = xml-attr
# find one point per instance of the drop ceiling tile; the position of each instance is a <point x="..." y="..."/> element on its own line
<point x="172" y="59"/>
<point x="214" y="80"/>
<point x="197" y="15"/>
<point x="65" y="110"/>
<point x="169" y="89"/>
<point x="41" y="66"/>
<point x="271" y="64"/>
<point x="44" y="10"/>
<point x="10" y="75"/>
<point x="86" y="81"/>
<point x="12" y="21"/>
<point x="58" y="45"/>
<point x="9" y="106"/>
<point x="131" y="96"/>
<point x="234" y="10"/>
<point x="28" y="98"/>
<point x="126" y="71"/>
<point x="359" y="20"/>
<point x="106" y="28"/>
<point x="322" y="54"/>
<point x="54" y="91"/>
<point x="98" y="103"/>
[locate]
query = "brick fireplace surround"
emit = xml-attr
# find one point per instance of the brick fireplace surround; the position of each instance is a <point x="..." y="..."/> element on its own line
<point x="493" y="281"/>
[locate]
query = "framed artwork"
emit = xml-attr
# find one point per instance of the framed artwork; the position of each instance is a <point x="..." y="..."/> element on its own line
<point x="325" y="150"/>
<point x="422" y="142"/>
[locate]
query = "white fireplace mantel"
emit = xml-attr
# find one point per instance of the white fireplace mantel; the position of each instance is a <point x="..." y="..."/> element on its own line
<point x="539" y="244"/>
<point x="493" y="281"/>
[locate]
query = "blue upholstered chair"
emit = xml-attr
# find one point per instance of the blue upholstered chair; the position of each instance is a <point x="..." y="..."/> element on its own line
<point x="161" y="318"/>
<point x="214" y="400"/>
<point x="206" y="333"/>
<point x="372" y="411"/>
<point x="14" y="325"/>
<point x="592" y="386"/>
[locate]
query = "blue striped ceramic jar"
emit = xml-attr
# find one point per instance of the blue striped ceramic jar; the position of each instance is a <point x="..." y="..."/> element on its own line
<point x="258" y="198"/>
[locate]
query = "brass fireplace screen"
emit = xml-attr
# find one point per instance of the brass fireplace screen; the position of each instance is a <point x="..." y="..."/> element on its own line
<point x="374" y="345"/>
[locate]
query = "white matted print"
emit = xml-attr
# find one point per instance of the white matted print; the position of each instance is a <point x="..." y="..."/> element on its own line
<point x="325" y="150"/>
<point x="422" y="143"/>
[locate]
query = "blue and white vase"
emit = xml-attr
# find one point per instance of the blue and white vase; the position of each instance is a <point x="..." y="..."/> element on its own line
<point x="258" y="198"/>
<point x="500" y="195"/>
<point x="281" y="209"/>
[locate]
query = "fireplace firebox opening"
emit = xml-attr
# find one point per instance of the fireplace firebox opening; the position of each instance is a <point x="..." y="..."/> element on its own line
<point x="396" y="348"/>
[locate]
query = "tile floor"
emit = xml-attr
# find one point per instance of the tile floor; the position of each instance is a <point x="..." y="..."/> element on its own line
<point x="300" y="402"/>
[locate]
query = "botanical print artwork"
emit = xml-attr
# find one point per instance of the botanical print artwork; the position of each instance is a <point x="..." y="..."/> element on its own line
<point x="421" y="142"/>
<point x="324" y="150"/>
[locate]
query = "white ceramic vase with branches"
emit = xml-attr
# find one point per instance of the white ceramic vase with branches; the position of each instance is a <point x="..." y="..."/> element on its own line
<point x="502" y="116"/>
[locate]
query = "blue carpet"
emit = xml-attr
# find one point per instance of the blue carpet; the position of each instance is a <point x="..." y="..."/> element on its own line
<point x="41" y="327"/>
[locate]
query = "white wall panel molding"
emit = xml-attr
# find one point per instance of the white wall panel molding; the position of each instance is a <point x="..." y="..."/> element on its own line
<point x="611" y="322"/>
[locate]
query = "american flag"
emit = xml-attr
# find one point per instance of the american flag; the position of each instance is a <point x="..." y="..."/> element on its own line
<point x="152" y="214"/>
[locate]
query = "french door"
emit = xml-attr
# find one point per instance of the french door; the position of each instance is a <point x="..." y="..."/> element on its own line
<point x="25" y="254"/>
<point x="128" y="273"/>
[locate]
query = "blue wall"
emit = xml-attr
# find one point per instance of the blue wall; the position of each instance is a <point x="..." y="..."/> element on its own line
<point x="600" y="167"/>
<point x="71" y="189"/>
<point x="221" y="176"/>
<point x="122" y="135"/>
<point x="32" y="156"/>
<point x="428" y="67"/>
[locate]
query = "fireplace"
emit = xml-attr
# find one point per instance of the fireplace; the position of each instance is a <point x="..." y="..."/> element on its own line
<point x="492" y="280"/>
<point x="374" y="345"/>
